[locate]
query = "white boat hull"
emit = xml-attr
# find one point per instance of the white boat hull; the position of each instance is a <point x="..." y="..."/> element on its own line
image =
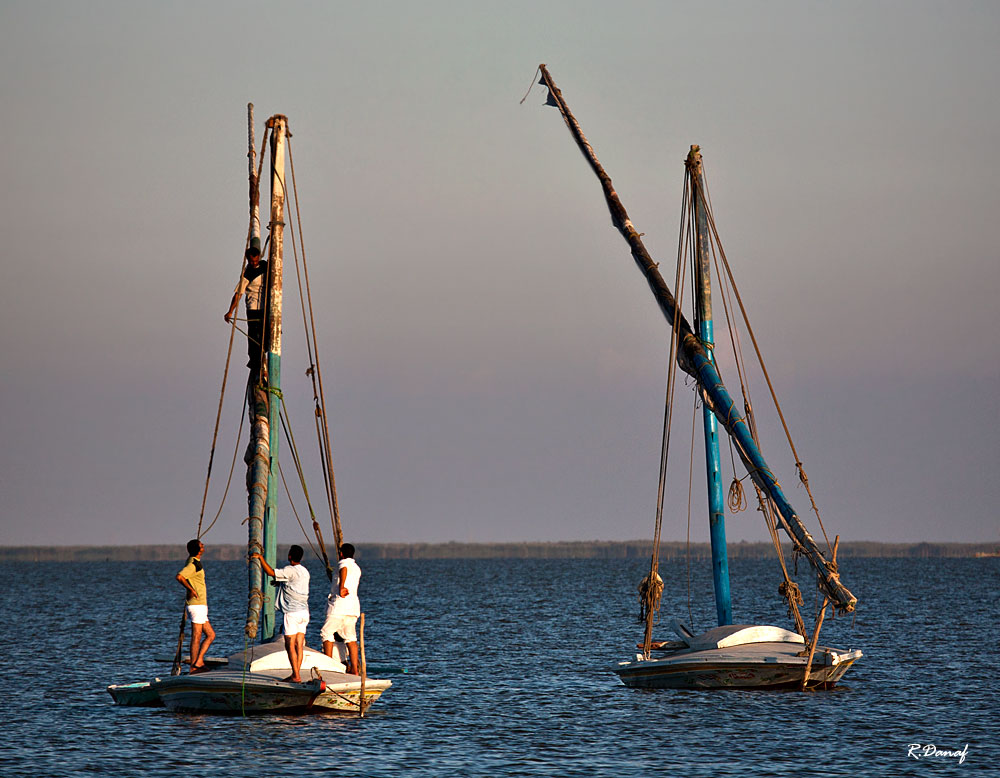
<point x="698" y="670"/>
<point x="737" y="657"/>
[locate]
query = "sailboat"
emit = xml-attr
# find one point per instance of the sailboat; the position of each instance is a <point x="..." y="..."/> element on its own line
<point x="728" y="655"/>
<point x="253" y="680"/>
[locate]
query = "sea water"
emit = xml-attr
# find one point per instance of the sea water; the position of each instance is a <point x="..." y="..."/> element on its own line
<point x="508" y="672"/>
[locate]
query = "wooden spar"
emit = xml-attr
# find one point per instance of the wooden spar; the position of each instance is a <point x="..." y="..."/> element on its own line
<point x="262" y="452"/>
<point x="620" y="218"/>
<point x="278" y="125"/>
<point x="258" y="457"/>
<point x="713" y="463"/>
<point x="691" y="357"/>
<point x="258" y="468"/>
<point x="363" y="669"/>
<point x="812" y="645"/>
<point x="254" y="183"/>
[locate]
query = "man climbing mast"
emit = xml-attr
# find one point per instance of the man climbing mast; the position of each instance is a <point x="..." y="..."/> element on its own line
<point x="251" y="284"/>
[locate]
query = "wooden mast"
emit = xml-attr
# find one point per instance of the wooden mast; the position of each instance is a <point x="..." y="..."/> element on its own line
<point x="257" y="457"/>
<point x="691" y="357"/>
<point x="278" y="125"/>
<point x="262" y="453"/>
<point x="254" y="183"/>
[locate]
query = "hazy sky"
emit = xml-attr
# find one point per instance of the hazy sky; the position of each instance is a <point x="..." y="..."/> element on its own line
<point x="494" y="362"/>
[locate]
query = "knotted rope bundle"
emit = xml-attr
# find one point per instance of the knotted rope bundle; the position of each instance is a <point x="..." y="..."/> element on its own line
<point x="792" y="594"/>
<point x="650" y="593"/>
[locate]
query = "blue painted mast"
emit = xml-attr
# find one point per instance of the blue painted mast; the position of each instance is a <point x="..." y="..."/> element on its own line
<point x="703" y="318"/>
<point x="262" y="453"/>
<point x="691" y="358"/>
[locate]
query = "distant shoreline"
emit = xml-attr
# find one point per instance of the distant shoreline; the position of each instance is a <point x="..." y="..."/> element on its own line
<point x="598" y="549"/>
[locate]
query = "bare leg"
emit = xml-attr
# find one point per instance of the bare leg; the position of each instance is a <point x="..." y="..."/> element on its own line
<point x="327" y="624"/>
<point x="196" y="630"/>
<point x="198" y="660"/>
<point x="352" y="666"/>
<point x="290" y="650"/>
<point x="294" y="647"/>
<point x="299" y="642"/>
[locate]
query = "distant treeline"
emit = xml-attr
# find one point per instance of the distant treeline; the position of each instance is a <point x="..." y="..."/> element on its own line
<point x="597" y="549"/>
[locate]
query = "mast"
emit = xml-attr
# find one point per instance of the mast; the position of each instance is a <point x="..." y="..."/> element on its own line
<point x="278" y="125"/>
<point x="254" y="183"/>
<point x="703" y="318"/>
<point x="262" y="453"/>
<point x="691" y="358"/>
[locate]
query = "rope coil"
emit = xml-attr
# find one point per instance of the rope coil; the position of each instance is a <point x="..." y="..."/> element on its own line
<point x="737" y="500"/>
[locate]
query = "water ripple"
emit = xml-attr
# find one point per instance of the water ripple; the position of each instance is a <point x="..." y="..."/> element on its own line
<point x="509" y="674"/>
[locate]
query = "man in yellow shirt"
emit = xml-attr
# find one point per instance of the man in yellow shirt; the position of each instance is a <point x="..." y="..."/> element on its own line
<point x="192" y="578"/>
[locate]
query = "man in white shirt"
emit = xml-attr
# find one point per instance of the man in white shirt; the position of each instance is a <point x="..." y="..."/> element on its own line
<point x="343" y="607"/>
<point x="293" y="602"/>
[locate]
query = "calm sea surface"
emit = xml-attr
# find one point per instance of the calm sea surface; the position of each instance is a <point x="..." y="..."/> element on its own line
<point x="508" y="673"/>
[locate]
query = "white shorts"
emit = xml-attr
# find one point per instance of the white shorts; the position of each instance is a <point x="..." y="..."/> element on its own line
<point x="296" y="622"/>
<point x="343" y="625"/>
<point x="198" y="614"/>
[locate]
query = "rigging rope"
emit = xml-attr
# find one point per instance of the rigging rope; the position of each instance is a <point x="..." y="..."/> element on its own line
<point x="319" y="398"/>
<point x="225" y="377"/>
<point x="694" y="427"/>
<point x="737" y="501"/>
<point x="218" y="413"/>
<point x="291" y="504"/>
<point x="787" y="588"/>
<point x="803" y="478"/>
<point x="649" y="589"/>
<point x="293" y="448"/>
<point x="232" y="468"/>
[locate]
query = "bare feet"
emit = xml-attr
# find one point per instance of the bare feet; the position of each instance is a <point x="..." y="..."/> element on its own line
<point x="293" y="679"/>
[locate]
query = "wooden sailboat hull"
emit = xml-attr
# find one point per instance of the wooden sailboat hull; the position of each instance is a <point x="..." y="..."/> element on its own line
<point x="344" y="693"/>
<point x="342" y="690"/>
<point x="136" y="695"/>
<point x="232" y="691"/>
<point x="753" y="666"/>
<point x="213" y="692"/>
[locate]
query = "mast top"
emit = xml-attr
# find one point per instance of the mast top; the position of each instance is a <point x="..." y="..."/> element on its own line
<point x="694" y="160"/>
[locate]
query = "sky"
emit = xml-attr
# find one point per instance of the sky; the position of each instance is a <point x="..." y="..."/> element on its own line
<point x="494" y="363"/>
